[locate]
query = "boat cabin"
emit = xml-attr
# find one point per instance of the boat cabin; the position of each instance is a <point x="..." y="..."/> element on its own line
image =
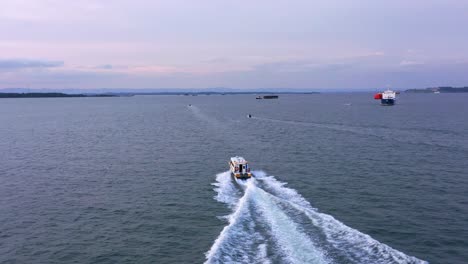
<point x="388" y="94"/>
<point x="239" y="168"/>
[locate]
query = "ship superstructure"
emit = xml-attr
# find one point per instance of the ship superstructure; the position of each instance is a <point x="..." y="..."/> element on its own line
<point x="386" y="98"/>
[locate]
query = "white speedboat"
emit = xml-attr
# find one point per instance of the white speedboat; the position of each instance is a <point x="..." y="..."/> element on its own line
<point x="239" y="168"/>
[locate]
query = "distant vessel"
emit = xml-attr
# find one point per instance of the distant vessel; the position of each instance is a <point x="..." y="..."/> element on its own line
<point x="267" y="97"/>
<point x="386" y="98"/>
<point x="239" y="168"/>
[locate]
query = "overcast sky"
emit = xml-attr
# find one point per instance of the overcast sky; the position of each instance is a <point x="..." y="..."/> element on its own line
<point x="330" y="44"/>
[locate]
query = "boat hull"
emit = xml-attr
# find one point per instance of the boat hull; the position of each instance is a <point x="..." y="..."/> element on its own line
<point x="242" y="176"/>
<point x="387" y="101"/>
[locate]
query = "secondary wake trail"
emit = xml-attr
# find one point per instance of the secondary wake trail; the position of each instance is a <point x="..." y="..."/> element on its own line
<point x="271" y="223"/>
<point x="408" y="136"/>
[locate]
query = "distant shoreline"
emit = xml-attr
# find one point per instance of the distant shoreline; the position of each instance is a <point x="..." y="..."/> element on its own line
<point x="446" y="89"/>
<point x="127" y="94"/>
<point x="50" y="95"/>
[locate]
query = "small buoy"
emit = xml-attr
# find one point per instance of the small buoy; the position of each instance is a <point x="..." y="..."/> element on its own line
<point x="249" y="116"/>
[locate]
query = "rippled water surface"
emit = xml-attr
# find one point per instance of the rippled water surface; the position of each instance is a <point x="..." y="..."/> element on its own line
<point x="339" y="179"/>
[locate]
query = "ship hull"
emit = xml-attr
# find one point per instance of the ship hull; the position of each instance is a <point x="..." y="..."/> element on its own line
<point x="387" y="101"/>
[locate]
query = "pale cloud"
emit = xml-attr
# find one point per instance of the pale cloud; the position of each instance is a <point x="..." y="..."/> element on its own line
<point x="105" y="67"/>
<point x="218" y="60"/>
<point x="410" y="63"/>
<point x="48" y="10"/>
<point x="18" y="64"/>
<point x="302" y="66"/>
<point x="152" y="69"/>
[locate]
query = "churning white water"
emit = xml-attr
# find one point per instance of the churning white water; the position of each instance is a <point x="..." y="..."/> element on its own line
<point x="271" y="223"/>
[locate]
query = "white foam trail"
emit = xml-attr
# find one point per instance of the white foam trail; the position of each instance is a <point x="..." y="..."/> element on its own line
<point x="358" y="247"/>
<point x="239" y="236"/>
<point x="225" y="189"/>
<point x="282" y="192"/>
<point x="296" y="246"/>
<point x="240" y="242"/>
<point x="281" y="213"/>
<point x="262" y="254"/>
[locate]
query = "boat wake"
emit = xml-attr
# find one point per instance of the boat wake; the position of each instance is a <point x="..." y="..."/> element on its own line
<point x="432" y="137"/>
<point x="271" y="223"/>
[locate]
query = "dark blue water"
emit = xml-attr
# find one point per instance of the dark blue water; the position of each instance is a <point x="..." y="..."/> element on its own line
<point x="141" y="179"/>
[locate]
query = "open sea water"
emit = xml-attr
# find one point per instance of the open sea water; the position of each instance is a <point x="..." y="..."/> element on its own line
<point x="143" y="179"/>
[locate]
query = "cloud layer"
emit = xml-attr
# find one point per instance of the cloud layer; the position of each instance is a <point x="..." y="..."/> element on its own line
<point x="15" y="64"/>
<point x="257" y="44"/>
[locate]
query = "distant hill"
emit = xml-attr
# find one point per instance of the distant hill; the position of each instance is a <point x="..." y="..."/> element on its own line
<point x="44" y="95"/>
<point x="444" y="89"/>
<point x="150" y="91"/>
